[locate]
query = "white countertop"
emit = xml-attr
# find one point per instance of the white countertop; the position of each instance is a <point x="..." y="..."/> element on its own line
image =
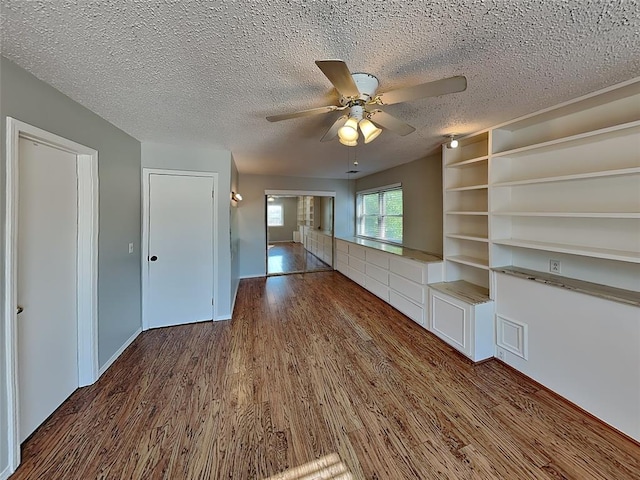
<point x="405" y="252"/>
<point x="603" y="291"/>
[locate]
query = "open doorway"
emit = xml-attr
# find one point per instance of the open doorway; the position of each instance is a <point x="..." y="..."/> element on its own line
<point x="299" y="232"/>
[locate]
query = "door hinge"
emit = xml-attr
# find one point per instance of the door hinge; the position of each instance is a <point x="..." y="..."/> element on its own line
<point x="212" y="301"/>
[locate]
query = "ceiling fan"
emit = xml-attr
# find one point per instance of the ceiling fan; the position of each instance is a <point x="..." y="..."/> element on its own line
<point x="359" y="99"/>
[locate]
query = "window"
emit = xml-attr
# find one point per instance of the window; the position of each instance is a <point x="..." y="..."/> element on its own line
<point x="379" y="214"/>
<point x="275" y="218"/>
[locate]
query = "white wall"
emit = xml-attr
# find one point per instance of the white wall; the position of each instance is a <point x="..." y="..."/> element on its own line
<point x="174" y="157"/>
<point x="422" y="197"/>
<point x="251" y="213"/>
<point x="24" y="97"/>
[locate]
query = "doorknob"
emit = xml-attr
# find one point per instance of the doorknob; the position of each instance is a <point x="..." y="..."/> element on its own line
<point x="19" y="310"/>
<point x="153" y="258"/>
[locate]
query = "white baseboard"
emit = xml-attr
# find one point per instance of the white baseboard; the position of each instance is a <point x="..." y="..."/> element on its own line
<point x="222" y="317"/>
<point x="4" y="475"/>
<point x="115" y="356"/>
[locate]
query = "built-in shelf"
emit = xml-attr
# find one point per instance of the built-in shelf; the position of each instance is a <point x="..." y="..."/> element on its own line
<point x="471" y="261"/>
<point x="463" y="290"/>
<point x="467" y="163"/>
<point x="604" y="253"/>
<point x="474" y="238"/>
<point x="464" y="212"/>
<point x="569" y="214"/>
<point x="570" y="138"/>
<point x="468" y="187"/>
<point x="564" y="178"/>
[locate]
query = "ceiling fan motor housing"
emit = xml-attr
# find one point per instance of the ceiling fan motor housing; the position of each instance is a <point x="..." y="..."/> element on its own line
<point x="367" y="86"/>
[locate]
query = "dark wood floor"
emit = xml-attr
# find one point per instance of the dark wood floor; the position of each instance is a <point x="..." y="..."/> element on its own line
<point x="291" y="257"/>
<point x="314" y="373"/>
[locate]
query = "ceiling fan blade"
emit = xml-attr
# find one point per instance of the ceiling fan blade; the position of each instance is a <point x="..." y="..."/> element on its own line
<point x="430" y="89"/>
<point x="338" y="74"/>
<point x="333" y="131"/>
<point x="304" y="113"/>
<point x="390" y="122"/>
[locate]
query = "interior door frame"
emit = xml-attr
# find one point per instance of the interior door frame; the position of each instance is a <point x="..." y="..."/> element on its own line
<point x="86" y="265"/>
<point x="144" y="251"/>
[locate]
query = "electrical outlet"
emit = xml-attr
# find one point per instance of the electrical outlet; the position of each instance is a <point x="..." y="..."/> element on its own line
<point x="500" y="353"/>
<point x="554" y="266"/>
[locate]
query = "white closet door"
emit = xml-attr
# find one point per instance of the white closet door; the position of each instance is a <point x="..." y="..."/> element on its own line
<point x="180" y="262"/>
<point x="47" y="254"/>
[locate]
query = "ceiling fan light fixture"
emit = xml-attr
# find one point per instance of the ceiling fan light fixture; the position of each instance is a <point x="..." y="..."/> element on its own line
<point x="349" y="131"/>
<point x="348" y="143"/>
<point x="369" y="130"/>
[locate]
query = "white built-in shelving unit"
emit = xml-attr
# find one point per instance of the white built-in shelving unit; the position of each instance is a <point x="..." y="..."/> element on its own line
<point x="560" y="185"/>
<point x="466" y="218"/>
<point x="566" y="181"/>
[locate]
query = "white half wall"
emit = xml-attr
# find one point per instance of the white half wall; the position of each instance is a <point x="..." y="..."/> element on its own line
<point x="582" y="347"/>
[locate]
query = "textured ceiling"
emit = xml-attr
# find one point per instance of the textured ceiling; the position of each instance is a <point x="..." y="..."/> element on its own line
<point x="207" y="73"/>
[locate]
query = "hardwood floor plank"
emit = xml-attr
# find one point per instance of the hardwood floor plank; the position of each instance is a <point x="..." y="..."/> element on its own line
<point x="312" y="368"/>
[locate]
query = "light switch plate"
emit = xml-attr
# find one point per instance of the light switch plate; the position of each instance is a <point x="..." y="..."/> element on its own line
<point x="131" y="248"/>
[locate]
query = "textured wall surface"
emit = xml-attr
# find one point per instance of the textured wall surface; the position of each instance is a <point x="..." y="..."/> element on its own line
<point x="208" y="73"/>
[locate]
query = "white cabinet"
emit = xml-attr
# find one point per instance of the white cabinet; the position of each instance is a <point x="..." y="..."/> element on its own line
<point x="319" y="244"/>
<point x="399" y="281"/>
<point x="462" y="316"/>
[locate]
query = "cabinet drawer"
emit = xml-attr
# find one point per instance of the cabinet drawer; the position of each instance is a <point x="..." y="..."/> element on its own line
<point x="377" y="274"/>
<point x="356" y="276"/>
<point x="343" y="268"/>
<point x="380" y="259"/>
<point x="406" y="306"/>
<point x="357" y="264"/>
<point x="412" y="270"/>
<point x="377" y="288"/>
<point x="413" y="290"/>
<point x="357" y="251"/>
<point x="342" y="246"/>
<point x="450" y="321"/>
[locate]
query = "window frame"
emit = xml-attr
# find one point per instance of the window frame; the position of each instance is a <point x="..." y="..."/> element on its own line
<point x="360" y="217"/>
<point x="280" y="207"/>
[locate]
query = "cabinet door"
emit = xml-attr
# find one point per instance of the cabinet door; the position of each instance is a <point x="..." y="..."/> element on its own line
<point x="451" y="321"/>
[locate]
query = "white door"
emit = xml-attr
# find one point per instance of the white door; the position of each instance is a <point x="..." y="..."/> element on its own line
<point x="180" y="260"/>
<point x="47" y="255"/>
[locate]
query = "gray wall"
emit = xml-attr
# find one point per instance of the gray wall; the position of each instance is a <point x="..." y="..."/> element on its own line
<point x="290" y="212"/>
<point x="234" y="234"/>
<point x="175" y="157"/>
<point x="251" y="213"/>
<point x="422" y="197"/>
<point x="24" y="97"/>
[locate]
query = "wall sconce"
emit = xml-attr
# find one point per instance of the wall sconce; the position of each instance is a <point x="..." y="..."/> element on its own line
<point x="452" y="143"/>
<point x="236" y="197"/>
